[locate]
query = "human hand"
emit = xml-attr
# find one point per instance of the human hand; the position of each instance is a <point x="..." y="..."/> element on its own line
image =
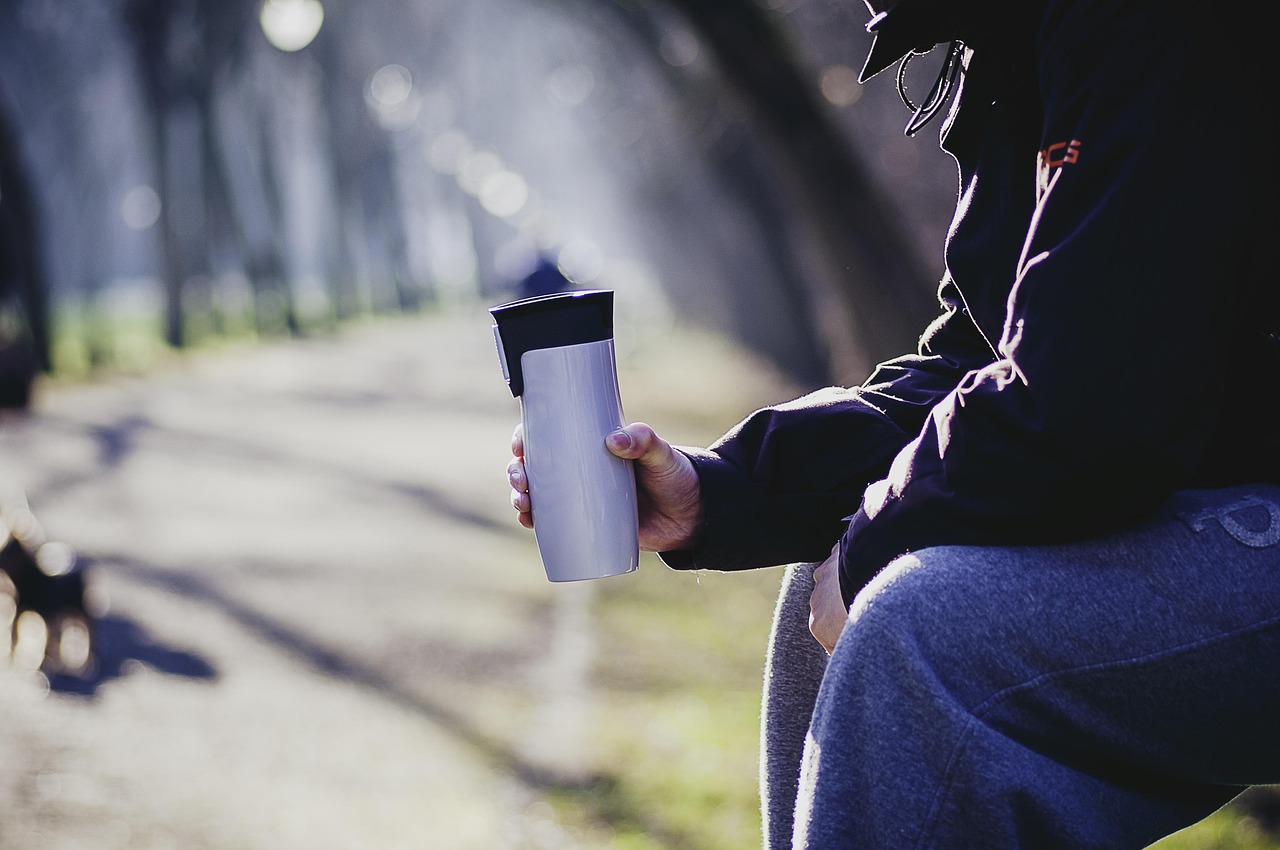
<point x="519" y="480"/>
<point x="667" y="490"/>
<point x="827" y="612"/>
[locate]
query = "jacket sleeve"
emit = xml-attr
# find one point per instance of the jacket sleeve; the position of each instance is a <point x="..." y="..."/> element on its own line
<point x="1109" y="380"/>
<point x="780" y="486"/>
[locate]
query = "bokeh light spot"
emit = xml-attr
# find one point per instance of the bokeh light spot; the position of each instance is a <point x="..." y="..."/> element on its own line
<point x="55" y="558"/>
<point x="679" y="48"/>
<point x="140" y="208"/>
<point x="390" y="85"/>
<point x="504" y="193"/>
<point x="291" y="25"/>
<point x="571" y="84"/>
<point x="476" y="169"/>
<point x="839" y="84"/>
<point x="391" y="97"/>
<point x="581" y="261"/>
<point x="31" y="635"/>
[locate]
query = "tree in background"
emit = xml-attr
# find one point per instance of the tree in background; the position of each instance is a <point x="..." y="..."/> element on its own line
<point x="365" y="171"/>
<point x="24" y="323"/>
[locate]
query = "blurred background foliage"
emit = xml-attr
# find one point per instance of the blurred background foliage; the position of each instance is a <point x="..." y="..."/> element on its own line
<point x="177" y="174"/>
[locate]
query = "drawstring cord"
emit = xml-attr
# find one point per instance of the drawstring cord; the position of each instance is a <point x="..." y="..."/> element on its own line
<point x="923" y="113"/>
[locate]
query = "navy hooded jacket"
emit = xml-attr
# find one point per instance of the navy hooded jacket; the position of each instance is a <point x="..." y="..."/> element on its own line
<point x="1108" y="316"/>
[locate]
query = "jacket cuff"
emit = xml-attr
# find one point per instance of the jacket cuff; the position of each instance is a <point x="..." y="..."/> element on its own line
<point x="730" y="507"/>
<point x="853" y="575"/>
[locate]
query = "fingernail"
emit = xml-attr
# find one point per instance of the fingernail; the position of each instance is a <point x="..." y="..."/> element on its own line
<point x="619" y="440"/>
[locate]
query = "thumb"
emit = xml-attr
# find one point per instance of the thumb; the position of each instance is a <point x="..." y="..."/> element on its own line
<point x="640" y="443"/>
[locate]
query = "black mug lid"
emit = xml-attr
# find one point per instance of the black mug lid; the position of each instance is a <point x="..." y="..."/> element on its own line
<point x="549" y="321"/>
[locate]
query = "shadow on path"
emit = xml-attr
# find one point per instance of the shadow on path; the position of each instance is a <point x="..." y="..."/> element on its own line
<point x="598" y="794"/>
<point x="120" y="645"/>
<point x="118" y="440"/>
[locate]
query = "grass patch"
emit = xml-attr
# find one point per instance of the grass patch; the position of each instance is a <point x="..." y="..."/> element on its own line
<point x="682" y="682"/>
<point x="1233" y="827"/>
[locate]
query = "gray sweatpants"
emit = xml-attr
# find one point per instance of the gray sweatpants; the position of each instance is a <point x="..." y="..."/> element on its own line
<point x="1092" y="695"/>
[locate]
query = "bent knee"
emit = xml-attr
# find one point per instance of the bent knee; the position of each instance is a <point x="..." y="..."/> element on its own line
<point x="921" y="591"/>
<point x="943" y="612"/>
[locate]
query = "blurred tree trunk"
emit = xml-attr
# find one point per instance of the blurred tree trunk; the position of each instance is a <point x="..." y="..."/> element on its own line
<point x="181" y="45"/>
<point x="346" y="118"/>
<point x="370" y="267"/>
<point x="252" y="224"/>
<point x="168" y="91"/>
<point x="21" y="267"/>
<point x="870" y="298"/>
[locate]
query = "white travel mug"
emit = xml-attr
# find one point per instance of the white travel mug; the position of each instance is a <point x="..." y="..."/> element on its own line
<point x="557" y="356"/>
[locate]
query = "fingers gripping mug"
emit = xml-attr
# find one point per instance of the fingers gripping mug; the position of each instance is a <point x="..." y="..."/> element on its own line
<point x="557" y="356"/>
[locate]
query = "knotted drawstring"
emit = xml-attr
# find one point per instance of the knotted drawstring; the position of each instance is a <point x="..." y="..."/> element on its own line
<point x="923" y="113"/>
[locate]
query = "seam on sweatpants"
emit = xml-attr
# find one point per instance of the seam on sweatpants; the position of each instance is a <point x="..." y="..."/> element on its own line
<point x="975" y="714"/>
